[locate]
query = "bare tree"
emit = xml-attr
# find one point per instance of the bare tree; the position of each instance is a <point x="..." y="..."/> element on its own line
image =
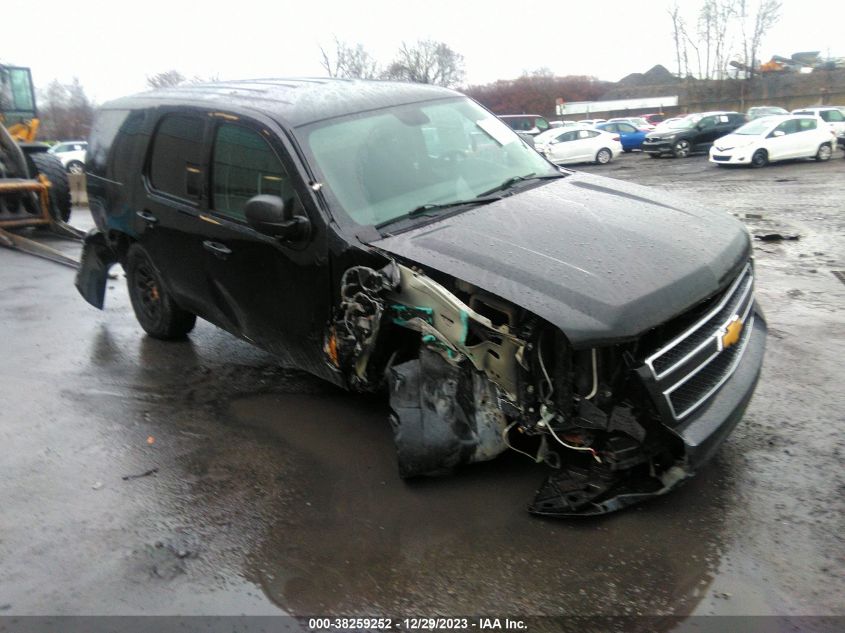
<point x="767" y="15"/>
<point x="427" y="62"/>
<point x="66" y="112"/>
<point x="675" y="15"/>
<point x="167" y="79"/>
<point x="350" y="62"/>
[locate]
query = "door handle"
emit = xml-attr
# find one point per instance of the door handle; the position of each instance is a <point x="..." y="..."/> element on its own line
<point x="147" y="217"/>
<point x="217" y="249"/>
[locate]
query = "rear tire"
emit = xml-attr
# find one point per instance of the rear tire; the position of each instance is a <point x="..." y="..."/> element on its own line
<point x="603" y="156"/>
<point x="75" y="167"/>
<point x="154" y="308"/>
<point x="760" y="158"/>
<point x="824" y="152"/>
<point x="52" y="168"/>
<point x="654" y="155"/>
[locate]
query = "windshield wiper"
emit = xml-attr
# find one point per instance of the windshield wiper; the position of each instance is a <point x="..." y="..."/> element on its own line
<point x="510" y="182"/>
<point x="425" y="209"/>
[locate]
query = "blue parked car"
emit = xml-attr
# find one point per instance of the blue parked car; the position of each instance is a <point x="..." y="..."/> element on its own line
<point x="631" y="137"/>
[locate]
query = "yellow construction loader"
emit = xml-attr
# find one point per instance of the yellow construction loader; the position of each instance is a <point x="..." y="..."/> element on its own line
<point x="34" y="190"/>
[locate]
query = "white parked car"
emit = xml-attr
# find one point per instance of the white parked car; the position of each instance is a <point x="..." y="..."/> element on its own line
<point x="831" y="115"/>
<point x="591" y="121"/>
<point x="582" y="145"/>
<point x="72" y="155"/>
<point x="769" y="139"/>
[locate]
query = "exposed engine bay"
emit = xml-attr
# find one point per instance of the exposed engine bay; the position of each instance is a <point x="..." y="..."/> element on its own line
<point x="470" y="376"/>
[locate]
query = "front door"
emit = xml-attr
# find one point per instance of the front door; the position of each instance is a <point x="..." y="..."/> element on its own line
<point x="781" y="142"/>
<point x="275" y="294"/>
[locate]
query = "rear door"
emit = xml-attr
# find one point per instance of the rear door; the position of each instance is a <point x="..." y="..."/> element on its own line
<point x="167" y="218"/>
<point x="275" y="294"/>
<point x="585" y="146"/>
<point x="807" y="138"/>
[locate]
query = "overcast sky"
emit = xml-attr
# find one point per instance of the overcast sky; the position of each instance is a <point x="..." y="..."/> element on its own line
<point x="113" y="46"/>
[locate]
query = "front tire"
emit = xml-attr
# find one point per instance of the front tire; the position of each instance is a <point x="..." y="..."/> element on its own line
<point x="154" y="308"/>
<point x="682" y="148"/>
<point x="603" y="156"/>
<point x="52" y="168"/>
<point x="760" y="158"/>
<point x="824" y="152"/>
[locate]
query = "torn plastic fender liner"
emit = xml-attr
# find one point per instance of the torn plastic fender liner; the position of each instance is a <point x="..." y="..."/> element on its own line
<point x="97" y="259"/>
<point x="443" y="415"/>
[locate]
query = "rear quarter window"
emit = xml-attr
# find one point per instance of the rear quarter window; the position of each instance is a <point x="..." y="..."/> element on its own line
<point x="107" y="123"/>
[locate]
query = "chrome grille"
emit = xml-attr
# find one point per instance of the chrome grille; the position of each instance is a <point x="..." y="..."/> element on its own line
<point x="692" y="366"/>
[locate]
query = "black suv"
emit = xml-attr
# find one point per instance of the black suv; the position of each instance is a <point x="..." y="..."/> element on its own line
<point x="693" y="133"/>
<point x="400" y="238"/>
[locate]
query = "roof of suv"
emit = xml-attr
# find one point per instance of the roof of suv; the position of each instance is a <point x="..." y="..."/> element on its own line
<point x="295" y="101"/>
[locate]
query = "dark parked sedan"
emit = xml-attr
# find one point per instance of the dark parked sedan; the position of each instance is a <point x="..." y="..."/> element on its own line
<point x="693" y="133"/>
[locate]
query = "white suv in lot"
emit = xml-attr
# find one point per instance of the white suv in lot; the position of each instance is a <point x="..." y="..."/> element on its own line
<point x="72" y="155"/>
<point x="832" y="115"/>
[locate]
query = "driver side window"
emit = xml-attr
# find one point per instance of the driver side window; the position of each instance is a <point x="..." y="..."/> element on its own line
<point x="788" y="127"/>
<point x="244" y="165"/>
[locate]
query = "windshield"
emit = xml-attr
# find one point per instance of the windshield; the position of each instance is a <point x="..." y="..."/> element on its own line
<point x="757" y="126"/>
<point x="683" y="124"/>
<point x="382" y="164"/>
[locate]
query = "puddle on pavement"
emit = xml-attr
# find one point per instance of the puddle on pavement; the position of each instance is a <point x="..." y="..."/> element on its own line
<point x="362" y="541"/>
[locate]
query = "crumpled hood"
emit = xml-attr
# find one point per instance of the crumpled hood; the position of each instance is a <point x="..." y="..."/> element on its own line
<point x="601" y="259"/>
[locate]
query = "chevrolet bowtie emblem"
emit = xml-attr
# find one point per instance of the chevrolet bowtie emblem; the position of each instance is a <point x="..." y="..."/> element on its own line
<point x="731" y="332"/>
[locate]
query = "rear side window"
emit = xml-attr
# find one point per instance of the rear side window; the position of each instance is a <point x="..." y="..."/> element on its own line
<point x="832" y="116"/>
<point x="244" y="166"/>
<point x="103" y="133"/>
<point x="177" y="156"/>
<point x="807" y="124"/>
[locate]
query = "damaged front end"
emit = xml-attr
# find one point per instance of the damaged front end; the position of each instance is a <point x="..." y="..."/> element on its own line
<point x="471" y="375"/>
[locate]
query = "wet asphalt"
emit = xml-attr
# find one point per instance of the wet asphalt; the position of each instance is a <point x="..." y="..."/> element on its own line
<point x="261" y="490"/>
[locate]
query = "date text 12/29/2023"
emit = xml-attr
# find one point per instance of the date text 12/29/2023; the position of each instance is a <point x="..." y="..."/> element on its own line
<point x="416" y="624"/>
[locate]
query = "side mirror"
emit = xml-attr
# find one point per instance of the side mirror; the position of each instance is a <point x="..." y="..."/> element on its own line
<point x="778" y="133"/>
<point x="271" y="216"/>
